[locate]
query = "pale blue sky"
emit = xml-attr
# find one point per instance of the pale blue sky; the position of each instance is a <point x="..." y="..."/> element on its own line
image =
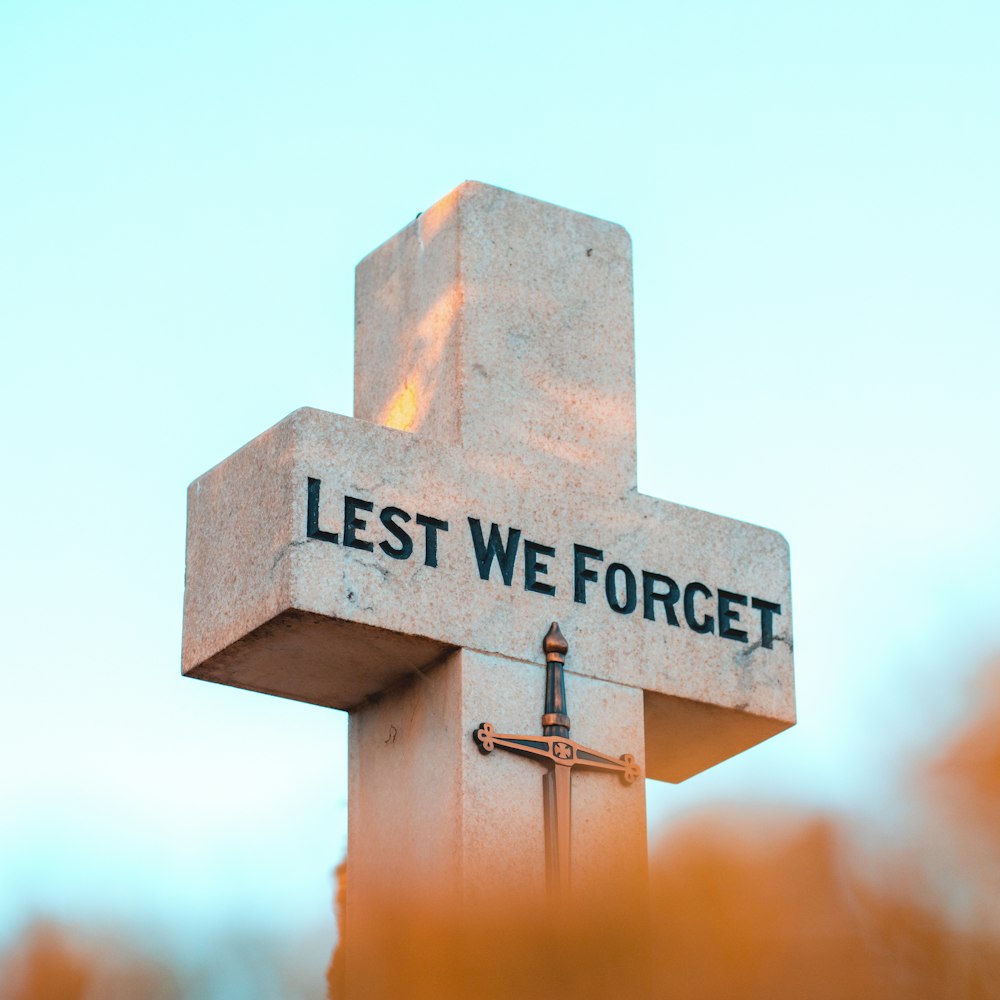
<point x="184" y="192"/>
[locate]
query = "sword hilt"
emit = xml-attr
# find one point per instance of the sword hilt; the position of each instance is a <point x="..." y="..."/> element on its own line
<point x="555" y="721"/>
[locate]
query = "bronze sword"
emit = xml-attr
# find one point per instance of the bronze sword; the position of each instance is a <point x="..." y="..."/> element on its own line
<point x="561" y="754"/>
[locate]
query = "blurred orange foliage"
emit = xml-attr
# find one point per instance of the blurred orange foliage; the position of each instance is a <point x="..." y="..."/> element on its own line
<point x="751" y="905"/>
<point x="45" y="966"/>
<point x="53" y="963"/>
<point x="744" y="904"/>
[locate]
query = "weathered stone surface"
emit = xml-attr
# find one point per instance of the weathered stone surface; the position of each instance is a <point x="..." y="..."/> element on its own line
<point x="270" y="609"/>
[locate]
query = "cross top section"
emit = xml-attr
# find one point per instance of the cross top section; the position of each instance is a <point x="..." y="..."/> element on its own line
<point x="503" y="325"/>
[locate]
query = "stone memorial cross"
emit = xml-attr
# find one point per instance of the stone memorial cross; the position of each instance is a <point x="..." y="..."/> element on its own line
<point x="404" y="565"/>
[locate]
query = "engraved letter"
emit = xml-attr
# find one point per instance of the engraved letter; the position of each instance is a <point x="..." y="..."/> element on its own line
<point x="353" y="524"/>
<point x="431" y="526"/>
<point x="650" y="596"/>
<point x="728" y="614"/>
<point x="533" y="568"/>
<point x="388" y="517"/>
<point x="581" y="574"/>
<point x="767" y="611"/>
<point x="505" y="555"/>
<point x="313" y="529"/>
<point x="707" y="624"/>
<point x="611" y="588"/>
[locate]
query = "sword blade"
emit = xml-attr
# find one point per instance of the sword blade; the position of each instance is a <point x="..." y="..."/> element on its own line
<point x="557" y="829"/>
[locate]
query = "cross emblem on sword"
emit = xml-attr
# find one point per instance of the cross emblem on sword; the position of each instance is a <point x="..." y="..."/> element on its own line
<point x="561" y="754"/>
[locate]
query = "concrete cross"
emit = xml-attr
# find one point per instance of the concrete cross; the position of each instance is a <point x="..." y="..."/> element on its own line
<point x="404" y="565"/>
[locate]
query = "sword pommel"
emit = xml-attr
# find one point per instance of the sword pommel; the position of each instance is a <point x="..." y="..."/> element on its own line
<point x="555" y="721"/>
<point x="555" y="644"/>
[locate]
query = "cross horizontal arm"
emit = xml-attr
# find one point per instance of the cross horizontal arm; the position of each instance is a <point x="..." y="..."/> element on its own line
<point x="268" y="585"/>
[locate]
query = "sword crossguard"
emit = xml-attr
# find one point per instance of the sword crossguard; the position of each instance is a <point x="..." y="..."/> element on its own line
<point x="557" y="750"/>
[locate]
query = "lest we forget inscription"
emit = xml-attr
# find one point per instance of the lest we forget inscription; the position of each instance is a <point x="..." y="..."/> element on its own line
<point x="500" y="549"/>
